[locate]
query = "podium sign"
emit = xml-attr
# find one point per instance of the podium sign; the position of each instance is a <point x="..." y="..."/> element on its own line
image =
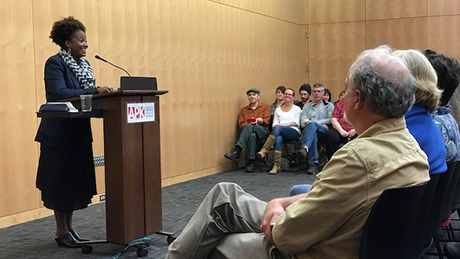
<point x="140" y="112"/>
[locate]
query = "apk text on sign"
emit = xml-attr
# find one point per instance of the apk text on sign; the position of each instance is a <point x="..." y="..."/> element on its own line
<point x="140" y="112"/>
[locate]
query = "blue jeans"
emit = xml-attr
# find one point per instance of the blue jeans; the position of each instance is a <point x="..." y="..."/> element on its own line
<point x="310" y="139"/>
<point x="284" y="133"/>
<point x="299" y="188"/>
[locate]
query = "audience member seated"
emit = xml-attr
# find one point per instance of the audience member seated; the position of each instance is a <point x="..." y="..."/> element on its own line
<point x="316" y="116"/>
<point x="341" y="95"/>
<point x="328" y="221"/>
<point x="418" y="120"/>
<point x="253" y="122"/>
<point x="327" y="95"/>
<point x="279" y="100"/>
<point x="455" y="104"/>
<point x="341" y="131"/>
<point x="305" y="93"/>
<point x="285" y="128"/>
<point x="448" y="72"/>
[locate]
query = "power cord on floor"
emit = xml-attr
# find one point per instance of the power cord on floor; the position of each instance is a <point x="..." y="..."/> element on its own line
<point x="145" y="241"/>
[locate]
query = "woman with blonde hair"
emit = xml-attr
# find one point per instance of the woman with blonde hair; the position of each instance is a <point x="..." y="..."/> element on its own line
<point x="418" y="120"/>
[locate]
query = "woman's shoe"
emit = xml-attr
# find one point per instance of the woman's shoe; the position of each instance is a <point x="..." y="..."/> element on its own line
<point x="67" y="240"/>
<point x="275" y="169"/>
<point x="76" y="236"/>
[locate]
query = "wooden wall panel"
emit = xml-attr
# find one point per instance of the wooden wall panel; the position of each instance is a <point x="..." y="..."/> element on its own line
<point x="123" y="39"/>
<point x="331" y="11"/>
<point x="389" y="9"/>
<point x="242" y="49"/>
<point x="443" y="35"/>
<point x="303" y="12"/>
<point x="333" y="48"/>
<point x="280" y="9"/>
<point x="18" y="152"/>
<point x="443" y="7"/>
<point x="400" y="34"/>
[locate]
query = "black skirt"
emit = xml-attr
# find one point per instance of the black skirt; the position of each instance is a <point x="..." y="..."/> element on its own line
<point x="66" y="177"/>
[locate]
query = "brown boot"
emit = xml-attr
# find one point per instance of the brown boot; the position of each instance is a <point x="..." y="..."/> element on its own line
<point x="276" y="162"/>
<point x="267" y="146"/>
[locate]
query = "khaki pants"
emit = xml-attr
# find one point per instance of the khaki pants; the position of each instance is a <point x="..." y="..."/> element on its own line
<point x="225" y="225"/>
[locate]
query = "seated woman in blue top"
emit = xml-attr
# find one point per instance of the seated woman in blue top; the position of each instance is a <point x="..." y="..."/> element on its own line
<point x="418" y="120"/>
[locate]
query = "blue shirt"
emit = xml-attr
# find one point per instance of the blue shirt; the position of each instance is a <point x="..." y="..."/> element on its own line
<point x="429" y="137"/>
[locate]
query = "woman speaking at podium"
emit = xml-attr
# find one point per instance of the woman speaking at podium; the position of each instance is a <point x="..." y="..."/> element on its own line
<point x="66" y="175"/>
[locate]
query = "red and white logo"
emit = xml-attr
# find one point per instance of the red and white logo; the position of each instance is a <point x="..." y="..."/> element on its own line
<point x="136" y="113"/>
<point x="140" y="112"/>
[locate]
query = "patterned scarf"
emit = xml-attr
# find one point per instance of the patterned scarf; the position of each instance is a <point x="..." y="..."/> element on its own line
<point x="83" y="71"/>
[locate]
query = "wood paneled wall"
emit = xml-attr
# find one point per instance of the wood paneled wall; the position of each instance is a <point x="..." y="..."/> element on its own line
<point x="206" y="53"/>
<point x="341" y="29"/>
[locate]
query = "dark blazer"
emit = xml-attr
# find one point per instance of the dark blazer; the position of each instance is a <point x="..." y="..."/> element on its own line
<point x="61" y="83"/>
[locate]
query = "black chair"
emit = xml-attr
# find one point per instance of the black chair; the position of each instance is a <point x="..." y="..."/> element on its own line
<point x="388" y="229"/>
<point x="456" y="195"/>
<point x="447" y="211"/>
<point x="420" y="235"/>
<point x="433" y="224"/>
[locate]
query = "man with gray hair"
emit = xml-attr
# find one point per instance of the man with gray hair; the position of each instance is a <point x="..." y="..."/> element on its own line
<point x="326" y="222"/>
<point x="315" y="119"/>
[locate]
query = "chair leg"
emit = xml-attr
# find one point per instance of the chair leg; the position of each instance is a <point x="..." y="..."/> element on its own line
<point x="451" y="229"/>
<point x="449" y="237"/>
<point x="438" y="247"/>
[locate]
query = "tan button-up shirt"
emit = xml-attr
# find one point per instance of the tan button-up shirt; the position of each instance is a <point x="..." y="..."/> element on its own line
<point x="328" y="221"/>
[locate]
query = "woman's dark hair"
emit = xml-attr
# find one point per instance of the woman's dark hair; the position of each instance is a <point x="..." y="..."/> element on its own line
<point x="64" y="29"/>
<point x="328" y="92"/>
<point x="448" y="72"/>
<point x="293" y="91"/>
<point x="281" y="88"/>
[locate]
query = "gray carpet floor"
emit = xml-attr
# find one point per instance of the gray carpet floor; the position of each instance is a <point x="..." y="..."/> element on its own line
<point x="35" y="239"/>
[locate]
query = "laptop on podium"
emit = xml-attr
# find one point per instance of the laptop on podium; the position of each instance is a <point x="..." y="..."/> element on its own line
<point x="138" y="83"/>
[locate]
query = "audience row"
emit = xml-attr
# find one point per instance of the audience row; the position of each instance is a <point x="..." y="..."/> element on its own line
<point x="327" y="221"/>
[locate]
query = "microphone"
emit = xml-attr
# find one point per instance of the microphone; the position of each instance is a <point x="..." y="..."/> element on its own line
<point x="98" y="57"/>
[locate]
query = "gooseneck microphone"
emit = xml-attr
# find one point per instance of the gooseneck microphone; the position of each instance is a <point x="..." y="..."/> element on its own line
<point x="98" y="57"/>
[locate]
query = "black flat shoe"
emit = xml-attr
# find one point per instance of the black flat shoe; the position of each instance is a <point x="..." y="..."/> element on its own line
<point x="76" y="236"/>
<point x="67" y="240"/>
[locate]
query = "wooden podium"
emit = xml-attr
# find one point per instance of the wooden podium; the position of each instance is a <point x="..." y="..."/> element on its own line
<point x="132" y="167"/>
<point x="132" y="163"/>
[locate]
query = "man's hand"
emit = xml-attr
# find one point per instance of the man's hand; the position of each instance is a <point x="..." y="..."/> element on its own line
<point x="272" y="212"/>
<point x="307" y="122"/>
<point x="351" y="133"/>
<point x="327" y="127"/>
<point x="343" y="133"/>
